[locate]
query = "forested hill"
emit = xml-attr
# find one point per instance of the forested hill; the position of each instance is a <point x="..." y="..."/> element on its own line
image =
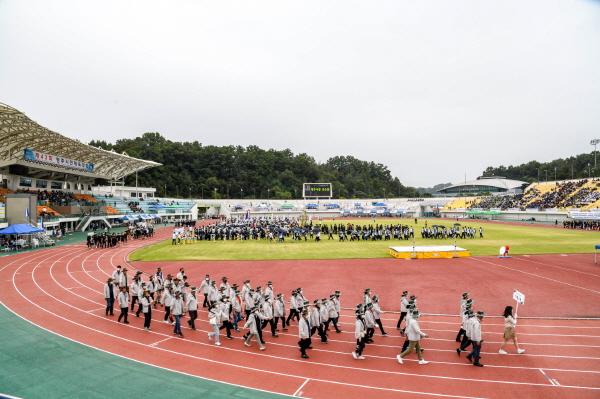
<point x="189" y="168"/>
<point x="567" y="168"/>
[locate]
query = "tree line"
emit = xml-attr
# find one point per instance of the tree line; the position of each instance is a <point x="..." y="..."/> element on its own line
<point x="190" y="169"/>
<point x="575" y="167"/>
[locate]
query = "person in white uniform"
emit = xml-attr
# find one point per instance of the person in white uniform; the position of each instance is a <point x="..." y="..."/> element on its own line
<point x="279" y="311"/>
<point x="360" y="334"/>
<point x="403" y="305"/>
<point x="304" y="334"/>
<point x="376" y="310"/>
<point x="192" y="306"/>
<point x="476" y="340"/>
<point x="214" y="320"/>
<point x="204" y="289"/>
<point x="124" y="305"/>
<point x="252" y="324"/>
<point x="414" y="334"/>
<point x="177" y="310"/>
<point x="146" y="303"/>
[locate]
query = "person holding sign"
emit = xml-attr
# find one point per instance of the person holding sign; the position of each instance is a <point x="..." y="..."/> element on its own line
<point x="510" y="323"/>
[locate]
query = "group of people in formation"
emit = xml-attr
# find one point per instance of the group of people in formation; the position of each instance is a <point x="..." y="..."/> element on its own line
<point x="103" y="238"/>
<point x="230" y="307"/>
<point x="456" y="231"/>
<point x="281" y="229"/>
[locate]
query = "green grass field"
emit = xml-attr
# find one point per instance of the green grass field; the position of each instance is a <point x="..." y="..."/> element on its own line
<point x="522" y="240"/>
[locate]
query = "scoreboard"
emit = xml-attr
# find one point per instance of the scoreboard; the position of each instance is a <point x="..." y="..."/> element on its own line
<point x="317" y="190"/>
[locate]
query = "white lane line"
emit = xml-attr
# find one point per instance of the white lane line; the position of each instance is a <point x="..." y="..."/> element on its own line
<point x="381" y="345"/>
<point x="499" y="333"/>
<point x="47" y="311"/>
<point x="299" y="390"/>
<point x="86" y="257"/>
<point x="562" y="267"/>
<point x="3" y="396"/>
<point x="434" y="339"/>
<point x="162" y="340"/>
<point x="555" y="381"/>
<point x="537" y="275"/>
<point x="546" y="377"/>
<point x="95" y="310"/>
<point x="349" y="342"/>
<point x="279" y="357"/>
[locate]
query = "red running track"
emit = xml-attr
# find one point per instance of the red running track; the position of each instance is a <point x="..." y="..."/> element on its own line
<point x="60" y="289"/>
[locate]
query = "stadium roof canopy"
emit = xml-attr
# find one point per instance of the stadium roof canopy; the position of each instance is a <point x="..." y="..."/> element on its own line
<point x="18" y="132"/>
<point x="492" y="184"/>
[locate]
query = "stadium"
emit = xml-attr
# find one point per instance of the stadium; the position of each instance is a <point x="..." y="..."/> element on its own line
<point x="155" y="265"/>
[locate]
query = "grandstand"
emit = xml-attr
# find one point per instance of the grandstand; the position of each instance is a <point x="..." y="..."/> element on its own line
<point x="65" y="174"/>
<point x="544" y="201"/>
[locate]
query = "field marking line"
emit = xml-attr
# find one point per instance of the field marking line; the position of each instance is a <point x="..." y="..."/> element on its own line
<point x="3" y="395"/>
<point x="436" y="339"/>
<point x="537" y="275"/>
<point x="397" y="312"/>
<point x="162" y="340"/>
<point x="95" y="310"/>
<point x="207" y="360"/>
<point x="272" y="356"/>
<point x="546" y="377"/>
<point x="494" y="333"/>
<point x="299" y="390"/>
<point x="561" y="267"/>
<point x="379" y="345"/>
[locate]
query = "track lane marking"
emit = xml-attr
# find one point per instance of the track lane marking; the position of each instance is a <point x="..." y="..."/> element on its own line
<point x="537" y="275"/>
<point x="283" y="358"/>
<point x="299" y="390"/>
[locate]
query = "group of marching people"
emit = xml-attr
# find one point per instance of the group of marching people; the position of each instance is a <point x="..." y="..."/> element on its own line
<point x="228" y="305"/>
<point x="470" y="330"/>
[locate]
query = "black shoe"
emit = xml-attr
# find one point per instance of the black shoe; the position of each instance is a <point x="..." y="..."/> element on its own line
<point x="469" y="358"/>
<point x="478" y="364"/>
<point x="458" y="351"/>
<point x="305" y="356"/>
<point x="126" y="322"/>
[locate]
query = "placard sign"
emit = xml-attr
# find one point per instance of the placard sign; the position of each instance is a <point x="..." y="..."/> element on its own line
<point x="519" y="297"/>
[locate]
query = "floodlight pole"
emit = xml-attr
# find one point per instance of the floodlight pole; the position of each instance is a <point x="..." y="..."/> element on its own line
<point x="595" y="143"/>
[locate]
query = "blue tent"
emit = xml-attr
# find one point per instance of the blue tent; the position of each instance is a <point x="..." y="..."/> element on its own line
<point x="21" y="229"/>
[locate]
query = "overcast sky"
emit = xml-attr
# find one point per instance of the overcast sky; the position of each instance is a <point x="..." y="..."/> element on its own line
<point x="433" y="89"/>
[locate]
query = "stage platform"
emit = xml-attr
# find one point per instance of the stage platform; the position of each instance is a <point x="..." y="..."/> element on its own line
<point x="429" y="252"/>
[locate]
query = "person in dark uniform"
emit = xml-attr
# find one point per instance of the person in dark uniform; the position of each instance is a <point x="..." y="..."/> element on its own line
<point x="109" y="295"/>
